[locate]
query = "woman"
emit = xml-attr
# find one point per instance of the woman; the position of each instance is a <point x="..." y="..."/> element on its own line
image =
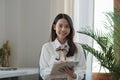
<point x="62" y="48"/>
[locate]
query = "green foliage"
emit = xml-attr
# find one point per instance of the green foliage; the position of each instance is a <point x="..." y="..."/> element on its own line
<point x="1" y="53"/>
<point x="4" y="51"/>
<point x="109" y="43"/>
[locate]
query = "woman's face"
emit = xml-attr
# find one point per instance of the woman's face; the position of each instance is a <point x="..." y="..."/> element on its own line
<point x="62" y="29"/>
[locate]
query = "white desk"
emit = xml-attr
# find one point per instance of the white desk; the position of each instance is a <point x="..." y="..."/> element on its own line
<point x="19" y="72"/>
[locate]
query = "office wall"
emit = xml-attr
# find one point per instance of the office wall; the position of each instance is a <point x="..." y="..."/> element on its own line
<point x="27" y="28"/>
<point x="2" y="22"/>
<point x="26" y="24"/>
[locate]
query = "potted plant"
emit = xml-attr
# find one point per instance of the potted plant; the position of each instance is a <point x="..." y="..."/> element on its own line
<point x="4" y="54"/>
<point x="109" y="43"/>
<point x="0" y="56"/>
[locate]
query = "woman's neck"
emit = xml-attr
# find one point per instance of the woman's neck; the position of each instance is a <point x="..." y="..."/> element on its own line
<point x="62" y="41"/>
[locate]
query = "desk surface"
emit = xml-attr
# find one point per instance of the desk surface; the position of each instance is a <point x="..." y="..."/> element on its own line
<point x="19" y="72"/>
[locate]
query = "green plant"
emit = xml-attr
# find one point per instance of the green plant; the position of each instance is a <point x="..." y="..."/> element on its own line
<point x="1" y="52"/>
<point x="109" y="43"/>
<point x="4" y="53"/>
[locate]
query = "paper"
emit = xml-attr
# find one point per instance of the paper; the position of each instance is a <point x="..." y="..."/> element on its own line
<point x="57" y="66"/>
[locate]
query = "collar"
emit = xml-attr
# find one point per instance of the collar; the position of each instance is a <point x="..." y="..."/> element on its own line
<point x="58" y="44"/>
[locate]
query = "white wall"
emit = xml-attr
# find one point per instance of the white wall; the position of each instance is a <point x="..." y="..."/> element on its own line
<point x="57" y="6"/>
<point x="27" y="28"/>
<point x="26" y="24"/>
<point x="61" y="6"/>
<point x="35" y="29"/>
<point x="2" y="22"/>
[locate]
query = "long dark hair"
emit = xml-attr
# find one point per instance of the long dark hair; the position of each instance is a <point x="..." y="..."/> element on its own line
<point x="73" y="48"/>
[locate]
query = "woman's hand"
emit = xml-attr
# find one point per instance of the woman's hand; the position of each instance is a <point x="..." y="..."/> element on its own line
<point x="68" y="71"/>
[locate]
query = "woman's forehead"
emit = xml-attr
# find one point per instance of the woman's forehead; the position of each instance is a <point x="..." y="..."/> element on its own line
<point x="62" y="21"/>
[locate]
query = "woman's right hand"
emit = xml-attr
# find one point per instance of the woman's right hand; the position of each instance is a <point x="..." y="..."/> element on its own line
<point x="68" y="71"/>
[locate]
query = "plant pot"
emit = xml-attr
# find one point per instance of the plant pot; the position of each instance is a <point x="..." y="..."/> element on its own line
<point x="101" y="76"/>
<point x="115" y="76"/>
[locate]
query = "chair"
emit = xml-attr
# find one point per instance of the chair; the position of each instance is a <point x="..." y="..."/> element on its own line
<point x="40" y="78"/>
<point x="85" y="53"/>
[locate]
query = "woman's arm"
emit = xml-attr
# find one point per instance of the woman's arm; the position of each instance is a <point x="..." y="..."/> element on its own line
<point x="44" y="66"/>
<point x="80" y="69"/>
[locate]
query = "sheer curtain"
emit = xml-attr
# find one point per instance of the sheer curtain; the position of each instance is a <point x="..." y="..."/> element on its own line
<point x="61" y="6"/>
<point x="81" y="12"/>
<point x="84" y="17"/>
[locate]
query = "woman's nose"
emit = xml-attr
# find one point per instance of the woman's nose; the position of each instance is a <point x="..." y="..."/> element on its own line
<point x="63" y="28"/>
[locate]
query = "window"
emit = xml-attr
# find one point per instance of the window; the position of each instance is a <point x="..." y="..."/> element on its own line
<point x="99" y="17"/>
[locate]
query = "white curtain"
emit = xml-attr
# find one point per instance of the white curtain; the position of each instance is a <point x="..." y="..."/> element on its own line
<point x="84" y="17"/>
<point x="81" y="12"/>
<point x="61" y="6"/>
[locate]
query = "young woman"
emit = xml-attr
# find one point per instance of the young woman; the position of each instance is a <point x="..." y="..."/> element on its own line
<point x="62" y="48"/>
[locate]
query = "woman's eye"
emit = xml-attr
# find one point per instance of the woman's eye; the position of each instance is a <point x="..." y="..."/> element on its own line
<point x="60" y="25"/>
<point x="67" y="26"/>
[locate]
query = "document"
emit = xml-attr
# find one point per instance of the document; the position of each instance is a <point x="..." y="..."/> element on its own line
<point x="57" y="66"/>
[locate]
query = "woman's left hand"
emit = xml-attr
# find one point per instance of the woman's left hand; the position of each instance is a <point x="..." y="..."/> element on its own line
<point x="69" y="71"/>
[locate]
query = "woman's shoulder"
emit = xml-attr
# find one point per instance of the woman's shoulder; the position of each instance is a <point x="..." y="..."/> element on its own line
<point x="78" y="45"/>
<point x="47" y="44"/>
<point x="79" y="48"/>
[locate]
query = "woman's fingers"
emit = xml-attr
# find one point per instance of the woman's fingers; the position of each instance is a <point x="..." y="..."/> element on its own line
<point x="67" y="70"/>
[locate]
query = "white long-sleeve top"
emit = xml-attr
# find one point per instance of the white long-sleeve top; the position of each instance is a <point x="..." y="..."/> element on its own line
<point x="48" y="58"/>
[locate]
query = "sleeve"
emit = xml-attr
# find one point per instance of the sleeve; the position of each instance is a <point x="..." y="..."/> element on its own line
<point x="43" y="63"/>
<point x="80" y="69"/>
